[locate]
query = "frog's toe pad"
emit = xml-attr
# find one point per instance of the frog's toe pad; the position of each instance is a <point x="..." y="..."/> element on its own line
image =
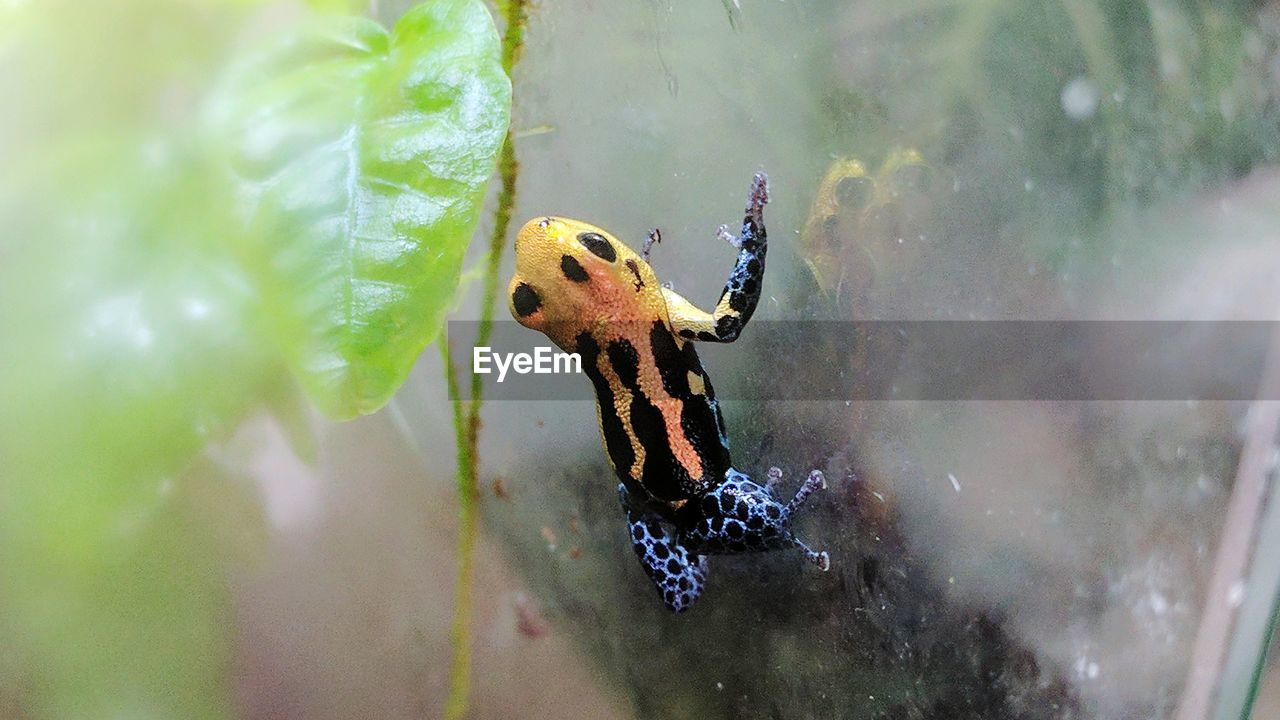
<point x="759" y="194"/>
<point x="821" y="559"/>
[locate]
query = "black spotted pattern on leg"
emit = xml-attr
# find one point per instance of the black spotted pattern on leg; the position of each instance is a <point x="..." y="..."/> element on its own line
<point x="741" y="516"/>
<point x="741" y="292"/>
<point x="677" y="574"/>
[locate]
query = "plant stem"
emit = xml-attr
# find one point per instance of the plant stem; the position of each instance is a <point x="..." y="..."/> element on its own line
<point x="467" y="431"/>
<point x="460" y="630"/>
<point x="507" y="169"/>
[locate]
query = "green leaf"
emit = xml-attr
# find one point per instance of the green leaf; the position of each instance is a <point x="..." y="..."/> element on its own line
<point x="127" y="350"/>
<point x="366" y="154"/>
<point x="144" y="311"/>
<point x="126" y="347"/>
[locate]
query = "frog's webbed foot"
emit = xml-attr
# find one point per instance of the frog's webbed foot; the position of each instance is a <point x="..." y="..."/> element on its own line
<point x="678" y="574"/>
<point x="654" y="238"/>
<point x="741" y="516"/>
<point x="723" y="233"/>
<point x="772" y="479"/>
<point x="753" y="235"/>
<point x="741" y="291"/>
<point x="815" y="481"/>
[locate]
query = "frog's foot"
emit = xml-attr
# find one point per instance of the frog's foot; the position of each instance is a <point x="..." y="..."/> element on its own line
<point x="677" y="574"/>
<point x="815" y="481"/>
<point x="753" y="217"/>
<point x="723" y="233"/>
<point x="654" y="238"/>
<point x="773" y="478"/>
<point x="741" y="516"/>
<point x="752" y="235"/>
<point x="821" y="559"/>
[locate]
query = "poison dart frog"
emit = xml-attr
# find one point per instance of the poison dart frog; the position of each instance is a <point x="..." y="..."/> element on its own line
<point x="663" y="430"/>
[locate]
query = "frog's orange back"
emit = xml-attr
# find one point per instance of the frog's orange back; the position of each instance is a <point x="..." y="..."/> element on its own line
<point x="593" y="295"/>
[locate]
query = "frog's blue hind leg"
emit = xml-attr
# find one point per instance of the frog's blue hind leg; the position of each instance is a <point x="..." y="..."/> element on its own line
<point x="741" y="516"/>
<point x="678" y="574"/>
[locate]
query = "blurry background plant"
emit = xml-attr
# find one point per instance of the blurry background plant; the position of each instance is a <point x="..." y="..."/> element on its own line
<point x="1059" y="117"/>
<point x="205" y="205"/>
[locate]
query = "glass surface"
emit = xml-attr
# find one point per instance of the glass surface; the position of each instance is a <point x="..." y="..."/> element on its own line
<point x="1019" y="554"/>
<point x="1078" y="161"/>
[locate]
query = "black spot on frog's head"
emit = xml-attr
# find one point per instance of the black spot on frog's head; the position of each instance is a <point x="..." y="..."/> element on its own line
<point x="573" y="269"/>
<point x="526" y="304"/>
<point x="525" y="300"/>
<point x="598" y="245"/>
<point x="634" y="267"/>
<point x="577" y="268"/>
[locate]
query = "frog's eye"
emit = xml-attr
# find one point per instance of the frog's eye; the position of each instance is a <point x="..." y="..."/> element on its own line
<point x="544" y="223"/>
<point x="598" y="245"/>
<point x="853" y="192"/>
<point x="525" y="300"/>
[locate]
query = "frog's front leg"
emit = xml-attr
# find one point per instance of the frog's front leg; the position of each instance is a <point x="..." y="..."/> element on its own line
<point x="677" y="573"/>
<point x="742" y="291"/>
<point x="654" y="238"/>
<point x="740" y="516"/>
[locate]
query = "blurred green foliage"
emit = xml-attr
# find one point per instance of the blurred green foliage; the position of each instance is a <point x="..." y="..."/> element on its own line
<point x="1061" y="114"/>
<point x="202" y="199"/>
<point x="367" y="159"/>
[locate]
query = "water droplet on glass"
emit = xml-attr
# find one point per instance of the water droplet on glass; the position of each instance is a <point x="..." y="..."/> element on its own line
<point x="1080" y="98"/>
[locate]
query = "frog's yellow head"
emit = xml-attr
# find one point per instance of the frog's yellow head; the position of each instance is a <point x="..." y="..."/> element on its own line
<point x="571" y="276"/>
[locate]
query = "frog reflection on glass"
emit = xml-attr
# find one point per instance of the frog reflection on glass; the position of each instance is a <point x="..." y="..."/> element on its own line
<point x="662" y="427"/>
<point x="849" y="237"/>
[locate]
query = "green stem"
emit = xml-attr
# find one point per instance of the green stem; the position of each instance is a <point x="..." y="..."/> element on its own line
<point x="467" y="431"/>
<point x="507" y="169"/>
<point x="460" y="630"/>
